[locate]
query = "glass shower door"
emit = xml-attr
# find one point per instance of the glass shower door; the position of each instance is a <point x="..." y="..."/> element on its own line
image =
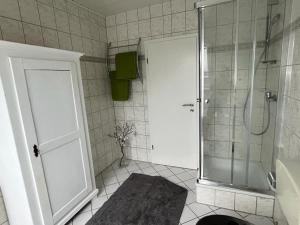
<point x="232" y="85"/>
<point x="217" y="68"/>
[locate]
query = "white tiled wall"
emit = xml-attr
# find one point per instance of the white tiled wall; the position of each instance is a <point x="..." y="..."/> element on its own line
<point x="154" y="21"/>
<point x="242" y="201"/>
<point x="288" y="137"/>
<point x="178" y="17"/>
<point x="64" y="25"/>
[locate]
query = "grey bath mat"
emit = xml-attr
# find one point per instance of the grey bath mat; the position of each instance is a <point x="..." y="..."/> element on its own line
<point x="143" y="200"/>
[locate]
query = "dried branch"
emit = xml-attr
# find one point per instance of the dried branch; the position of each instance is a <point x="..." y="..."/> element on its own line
<point x="121" y="135"/>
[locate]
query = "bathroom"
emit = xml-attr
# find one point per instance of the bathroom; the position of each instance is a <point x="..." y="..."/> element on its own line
<point x="226" y="132"/>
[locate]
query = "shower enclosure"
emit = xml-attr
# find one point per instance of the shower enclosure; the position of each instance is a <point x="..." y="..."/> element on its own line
<point x="238" y="105"/>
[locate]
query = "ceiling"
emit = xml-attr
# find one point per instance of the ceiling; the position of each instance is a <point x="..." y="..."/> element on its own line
<point x="110" y="7"/>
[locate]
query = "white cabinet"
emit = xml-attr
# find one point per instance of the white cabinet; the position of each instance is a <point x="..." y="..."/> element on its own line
<point x="45" y="158"/>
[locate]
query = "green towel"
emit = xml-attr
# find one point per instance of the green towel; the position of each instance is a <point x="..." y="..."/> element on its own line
<point x="126" y="66"/>
<point x="120" y="89"/>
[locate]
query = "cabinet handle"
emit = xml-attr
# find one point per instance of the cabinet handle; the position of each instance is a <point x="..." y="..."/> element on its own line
<point x="36" y="151"/>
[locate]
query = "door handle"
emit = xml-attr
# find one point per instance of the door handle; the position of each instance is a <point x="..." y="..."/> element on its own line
<point x="188" y="105"/>
<point x="36" y="151"/>
<point x="206" y="101"/>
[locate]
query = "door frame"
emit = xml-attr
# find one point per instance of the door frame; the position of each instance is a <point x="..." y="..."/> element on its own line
<point x="197" y="105"/>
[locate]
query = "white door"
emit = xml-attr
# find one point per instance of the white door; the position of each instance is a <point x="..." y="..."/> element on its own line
<point x="50" y="104"/>
<point x="172" y="95"/>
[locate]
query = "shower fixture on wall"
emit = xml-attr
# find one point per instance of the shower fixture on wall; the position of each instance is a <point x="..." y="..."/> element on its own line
<point x="269" y="97"/>
<point x="269" y="24"/>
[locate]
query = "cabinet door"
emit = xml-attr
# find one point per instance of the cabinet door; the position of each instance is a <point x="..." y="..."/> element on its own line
<point x="51" y="109"/>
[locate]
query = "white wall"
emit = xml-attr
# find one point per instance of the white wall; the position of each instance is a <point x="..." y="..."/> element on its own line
<point x="156" y="21"/>
<point x="178" y="17"/>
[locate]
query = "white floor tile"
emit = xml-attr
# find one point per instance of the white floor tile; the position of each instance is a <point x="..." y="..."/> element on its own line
<point x="158" y="167"/>
<point x="149" y="170"/>
<point x="227" y="212"/>
<point x="82" y="218"/>
<point x="199" y="209"/>
<point x="86" y="208"/>
<point x="108" y="196"/>
<point x="194" y="173"/>
<point x="242" y="214"/>
<point x="99" y="182"/>
<point x="114" y="176"/>
<point x="121" y="171"/>
<point x="191" y="184"/>
<point x="205" y="215"/>
<point x="184" y="176"/>
<point x="116" y="164"/>
<point x="94" y="211"/>
<point x="111" y="188"/>
<point x="191" y="222"/>
<point x="213" y="207"/>
<point x="143" y="165"/>
<point x="191" y="197"/>
<point x="107" y="171"/>
<point x="182" y="185"/>
<point x="151" y="173"/>
<point x="174" y="179"/>
<point x="98" y="202"/>
<point x="101" y="191"/>
<point x="176" y="170"/>
<point x="110" y="180"/>
<point x="108" y="174"/>
<point x="132" y="167"/>
<point x="187" y="215"/>
<point x="166" y="173"/>
<point x="123" y="176"/>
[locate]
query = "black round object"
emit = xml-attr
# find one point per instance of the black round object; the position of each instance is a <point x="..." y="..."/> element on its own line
<point x="221" y="220"/>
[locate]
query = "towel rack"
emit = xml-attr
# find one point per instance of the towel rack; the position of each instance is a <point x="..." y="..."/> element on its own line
<point x="139" y="57"/>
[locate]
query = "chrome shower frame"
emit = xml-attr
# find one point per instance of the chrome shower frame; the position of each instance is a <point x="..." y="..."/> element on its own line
<point x="200" y="6"/>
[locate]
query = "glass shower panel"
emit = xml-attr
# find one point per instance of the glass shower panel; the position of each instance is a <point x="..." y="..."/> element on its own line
<point x="241" y="92"/>
<point x="263" y="112"/>
<point x="240" y="67"/>
<point x="268" y="154"/>
<point x="218" y="84"/>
